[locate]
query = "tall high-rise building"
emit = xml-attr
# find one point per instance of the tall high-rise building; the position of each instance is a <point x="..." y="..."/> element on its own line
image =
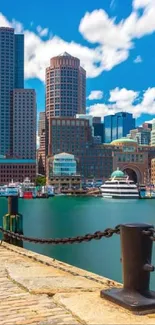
<point x="118" y="126"/>
<point x="41" y="157"/>
<point x="24" y="123"/>
<point x="11" y="76"/>
<point x="41" y="123"/>
<point x="19" y="61"/>
<point x="98" y="128"/>
<point x="65" y="87"/>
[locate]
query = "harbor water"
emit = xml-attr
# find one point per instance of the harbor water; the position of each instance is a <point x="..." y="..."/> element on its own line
<point x="71" y="216"/>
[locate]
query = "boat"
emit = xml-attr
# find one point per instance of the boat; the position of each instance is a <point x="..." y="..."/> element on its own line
<point x="50" y="190"/>
<point x="27" y="189"/>
<point x="119" y="186"/>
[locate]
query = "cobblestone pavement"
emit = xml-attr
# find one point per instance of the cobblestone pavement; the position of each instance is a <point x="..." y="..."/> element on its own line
<point x="18" y="306"/>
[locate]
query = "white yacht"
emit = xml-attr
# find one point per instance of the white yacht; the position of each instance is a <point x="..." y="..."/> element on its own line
<point x="119" y="186"/>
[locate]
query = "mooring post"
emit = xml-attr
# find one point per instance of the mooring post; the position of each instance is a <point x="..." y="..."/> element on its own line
<point x="13" y="221"/>
<point x="136" y="249"/>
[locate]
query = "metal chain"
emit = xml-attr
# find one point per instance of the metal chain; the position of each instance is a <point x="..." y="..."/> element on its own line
<point x="71" y="240"/>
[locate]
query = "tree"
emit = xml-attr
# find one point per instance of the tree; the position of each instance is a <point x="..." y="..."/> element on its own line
<point x="40" y="180"/>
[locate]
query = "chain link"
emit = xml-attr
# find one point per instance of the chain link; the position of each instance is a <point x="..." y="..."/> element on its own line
<point x="71" y="240"/>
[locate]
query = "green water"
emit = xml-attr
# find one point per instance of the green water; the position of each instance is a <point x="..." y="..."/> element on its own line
<point x="71" y="216"/>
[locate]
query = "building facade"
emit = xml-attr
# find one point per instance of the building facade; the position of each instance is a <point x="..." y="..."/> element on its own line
<point x="16" y="170"/>
<point x="74" y="136"/>
<point x="153" y="171"/>
<point x="141" y="135"/>
<point x="41" y="123"/>
<point x="24" y="123"/>
<point x="19" y="61"/>
<point x="11" y="76"/>
<point x="64" y="164"/>
<point x="98" y="128"/>
<point x="117" y="126"/>
<point x="62" y="171"/>
<point x="97" y="161"/>
<point x="65" y="87"/>
<point x="153" y="133"/>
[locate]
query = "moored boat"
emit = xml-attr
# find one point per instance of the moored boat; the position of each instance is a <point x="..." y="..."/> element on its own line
<point x="119" y="186"/>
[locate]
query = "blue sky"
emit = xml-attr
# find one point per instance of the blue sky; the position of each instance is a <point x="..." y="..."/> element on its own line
<point x="114" y="39"/>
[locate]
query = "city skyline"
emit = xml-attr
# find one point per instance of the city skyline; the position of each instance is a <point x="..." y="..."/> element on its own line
<point x="118" y="65"/>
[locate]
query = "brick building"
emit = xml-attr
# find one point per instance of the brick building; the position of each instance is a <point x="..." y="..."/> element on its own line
<point x="16" y="170"/>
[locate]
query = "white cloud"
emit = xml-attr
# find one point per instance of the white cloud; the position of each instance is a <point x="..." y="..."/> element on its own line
<point x="95" y="94"/>
<point x="127" y="101"/>
<point x="4" y="22"/>
<point x="117" y="39"/>
<point x="42" y="31"/>
<point x="138" y="59"/>
<point x="137" y="4"/>
<point x="112" y="41"/>
<point x="38" y="53"/>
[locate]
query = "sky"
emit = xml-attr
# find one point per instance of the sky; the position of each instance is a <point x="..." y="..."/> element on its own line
<point x="114" y="39"/>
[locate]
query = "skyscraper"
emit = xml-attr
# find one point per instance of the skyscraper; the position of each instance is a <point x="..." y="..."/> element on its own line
<point x="24" y="123"/>
<point x="41" y="123"/>
<point x="11" y="76"/>
<point x="41" y="150"/>
<point x="19" y="61"/>
<point x="118" y="126"/>
<point x="65" y="87"/>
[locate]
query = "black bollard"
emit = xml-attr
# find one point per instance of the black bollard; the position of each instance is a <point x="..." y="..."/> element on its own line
<point x="136" y="263"/>
<point x="13" y="221"/>
<point x="13" y="205"/>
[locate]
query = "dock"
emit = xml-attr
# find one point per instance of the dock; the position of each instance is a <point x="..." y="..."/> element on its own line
<point x="39" y="290"/>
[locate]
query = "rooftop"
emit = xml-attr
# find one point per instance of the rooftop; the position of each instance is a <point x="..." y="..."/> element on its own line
<point x="117" y="173"/>
<point x="36" y="289"/>
<point x="124" y="140"/>
<point x="65" y="54"/>
<point x="4" y="160"/>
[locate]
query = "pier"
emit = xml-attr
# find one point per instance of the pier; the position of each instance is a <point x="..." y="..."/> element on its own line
<point x="38" y="290"/>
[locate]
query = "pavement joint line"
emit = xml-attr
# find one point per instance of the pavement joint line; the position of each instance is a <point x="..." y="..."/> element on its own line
<point x="108" y="283"/>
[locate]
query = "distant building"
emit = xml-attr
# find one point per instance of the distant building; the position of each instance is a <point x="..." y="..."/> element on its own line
<point x="98" y="128"/>
<point x="11" y="76"/>
<point x="16" y="170"/>
<point x="153" y="133"/>
<point x="41" y="156"/>
<point x="24" y="123"/>
<point x="64" y="164"/>
<point x="141" y="135"/>
<point x="62" y="171"/>
<point x="147" y="125"/>
<point x="96" y="119"/>
<point x="74" y="136"/>
<point x="117" y="126"/>
<point x="153" y="171"/>
<point x="65" y="87"/>
<point x="41" y="123"/>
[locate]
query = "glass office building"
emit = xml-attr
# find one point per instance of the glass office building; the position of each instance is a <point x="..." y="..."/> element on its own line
<point x="118" y="126"/>
<point x="11" y="76"/>
<point x="19" y="61"/>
